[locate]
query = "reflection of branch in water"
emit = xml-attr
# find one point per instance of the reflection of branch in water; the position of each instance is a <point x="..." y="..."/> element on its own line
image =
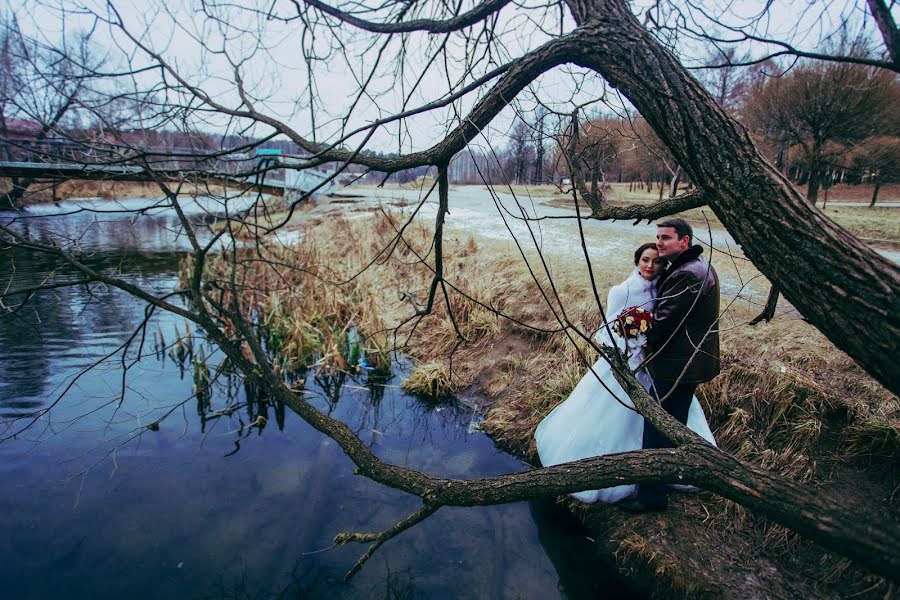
<point x="331" y="381"/>
<point x="244" y="431"/>
<point x="376" y="383"/>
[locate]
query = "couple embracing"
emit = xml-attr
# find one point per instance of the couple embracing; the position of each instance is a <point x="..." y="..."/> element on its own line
<point x="680" y="350"/>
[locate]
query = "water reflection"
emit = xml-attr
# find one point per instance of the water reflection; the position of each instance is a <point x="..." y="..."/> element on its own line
<point x="166" y="483"/>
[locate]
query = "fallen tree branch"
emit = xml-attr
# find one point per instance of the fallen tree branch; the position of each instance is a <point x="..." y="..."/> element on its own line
<point x="650" y="212"/>
<point x="380" y="538"/>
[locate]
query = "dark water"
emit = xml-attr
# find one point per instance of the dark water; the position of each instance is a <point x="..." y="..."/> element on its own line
<point x="95" y="505"/>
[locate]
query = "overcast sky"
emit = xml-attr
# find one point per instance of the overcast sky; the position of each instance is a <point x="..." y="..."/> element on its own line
<point x="276" y="74"/>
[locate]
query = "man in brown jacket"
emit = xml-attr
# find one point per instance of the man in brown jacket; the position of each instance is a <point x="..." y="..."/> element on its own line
<point x="684" y="340"/>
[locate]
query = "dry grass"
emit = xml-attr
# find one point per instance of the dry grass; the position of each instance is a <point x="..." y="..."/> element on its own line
<point x="430" y="380"/>
<point x="107" y="189"/>
<point x="535" y="191"/>
<point x="786" y="400"/>
<point x="783" y="385"/>
<point x="790" y="402"/>
<point x="646" y="556"/>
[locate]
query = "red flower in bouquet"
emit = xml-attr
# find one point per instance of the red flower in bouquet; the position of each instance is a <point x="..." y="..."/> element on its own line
<point x="633" y="322"/>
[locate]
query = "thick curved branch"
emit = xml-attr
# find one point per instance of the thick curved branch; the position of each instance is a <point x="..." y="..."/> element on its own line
<point x="656" y="210"/>
<point x="520" y="73"/>
<point x="825" y="518"/>
<point x="464" y="20"/>
<point x="888" y="28"/>
<point x="832" y="274"/>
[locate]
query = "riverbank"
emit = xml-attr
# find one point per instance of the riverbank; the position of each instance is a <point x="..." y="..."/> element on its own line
<point x="47" y="193"/>
<point x="786" y="400"/>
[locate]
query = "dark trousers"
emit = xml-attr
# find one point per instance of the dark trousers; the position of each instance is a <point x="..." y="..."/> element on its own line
<point x="677" y="405"/>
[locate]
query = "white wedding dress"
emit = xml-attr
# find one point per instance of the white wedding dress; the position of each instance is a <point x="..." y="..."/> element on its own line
<point x="591" y="422"/>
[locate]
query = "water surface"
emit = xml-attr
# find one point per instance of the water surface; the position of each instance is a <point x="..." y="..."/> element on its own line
<point x="96" y="504"/>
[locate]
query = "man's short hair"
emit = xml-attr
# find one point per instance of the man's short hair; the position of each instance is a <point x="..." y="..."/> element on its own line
<point x="680" y="226"/>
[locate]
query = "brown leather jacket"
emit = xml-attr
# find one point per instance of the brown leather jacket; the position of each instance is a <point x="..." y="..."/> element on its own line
<point x="685" y="333"/>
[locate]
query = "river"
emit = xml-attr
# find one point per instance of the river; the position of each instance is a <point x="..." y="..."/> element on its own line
<point x="96" y="504"/>
<point x="500" y="215"/>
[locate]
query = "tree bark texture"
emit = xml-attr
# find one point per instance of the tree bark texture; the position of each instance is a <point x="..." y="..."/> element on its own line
<point x="839" y="284"/>
<point x="889" y="31"/>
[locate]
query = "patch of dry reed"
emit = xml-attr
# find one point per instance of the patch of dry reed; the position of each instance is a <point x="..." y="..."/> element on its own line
<point x="786" y="400"/>
<point x="430" y="380"/>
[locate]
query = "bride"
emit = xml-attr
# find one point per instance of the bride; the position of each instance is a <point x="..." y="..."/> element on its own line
<point x="593" y="422"/>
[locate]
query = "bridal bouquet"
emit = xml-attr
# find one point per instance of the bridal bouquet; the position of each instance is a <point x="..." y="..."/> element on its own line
<point x="633" y="323"/>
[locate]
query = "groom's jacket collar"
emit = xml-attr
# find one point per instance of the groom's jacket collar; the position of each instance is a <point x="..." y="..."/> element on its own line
<point x="688" y="255"/>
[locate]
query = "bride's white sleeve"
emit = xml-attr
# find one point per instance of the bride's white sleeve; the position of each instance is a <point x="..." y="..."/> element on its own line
<point x="615" y="303"/>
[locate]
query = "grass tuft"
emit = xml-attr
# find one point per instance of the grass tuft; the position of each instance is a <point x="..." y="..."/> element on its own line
<point x="431" y="380"/>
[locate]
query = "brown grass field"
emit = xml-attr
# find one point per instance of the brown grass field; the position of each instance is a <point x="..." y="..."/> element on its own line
<point x="786" y="400"/>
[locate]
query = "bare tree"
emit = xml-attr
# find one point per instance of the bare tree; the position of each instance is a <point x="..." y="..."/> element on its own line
<point x="520" y="152"/>
<point x="39" y="92"/>
<point x="632" y="53"/>
<point x="822" y="109"/>
<point x="539" y="140"/>
<point x="878" y="161"/>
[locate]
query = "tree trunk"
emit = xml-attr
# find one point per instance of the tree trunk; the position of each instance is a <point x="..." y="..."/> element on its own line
<point x="539" y="153"/>
<point x="760" y="208"/>
<point x="673" y="188"/>
<point x="875" y="193"/>
<point x="812" y="189"/>
<point x="768" y="312"/>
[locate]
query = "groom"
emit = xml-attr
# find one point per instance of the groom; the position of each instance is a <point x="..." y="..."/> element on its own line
<point x="684" y="340"/>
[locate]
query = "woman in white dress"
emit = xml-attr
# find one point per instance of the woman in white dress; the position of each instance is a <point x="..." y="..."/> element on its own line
<point x="594" y="422"/>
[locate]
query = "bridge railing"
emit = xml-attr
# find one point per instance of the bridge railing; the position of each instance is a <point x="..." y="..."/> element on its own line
<point x="65" y="151"/>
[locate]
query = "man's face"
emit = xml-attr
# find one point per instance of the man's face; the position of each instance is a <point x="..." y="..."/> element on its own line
<point x="668" y="243"/>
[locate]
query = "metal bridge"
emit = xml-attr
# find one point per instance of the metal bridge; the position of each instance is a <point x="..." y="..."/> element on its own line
<point x="59" y="160"/>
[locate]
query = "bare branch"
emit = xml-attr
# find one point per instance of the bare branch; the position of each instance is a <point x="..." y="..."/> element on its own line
<point x="651" y="212"/>
<point x="480" y="12"/>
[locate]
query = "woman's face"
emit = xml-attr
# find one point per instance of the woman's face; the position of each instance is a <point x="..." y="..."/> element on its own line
<point x="650" y="264"/>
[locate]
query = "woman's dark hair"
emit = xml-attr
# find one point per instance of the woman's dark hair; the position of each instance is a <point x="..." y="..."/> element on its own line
<point x="640" y="250"/>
